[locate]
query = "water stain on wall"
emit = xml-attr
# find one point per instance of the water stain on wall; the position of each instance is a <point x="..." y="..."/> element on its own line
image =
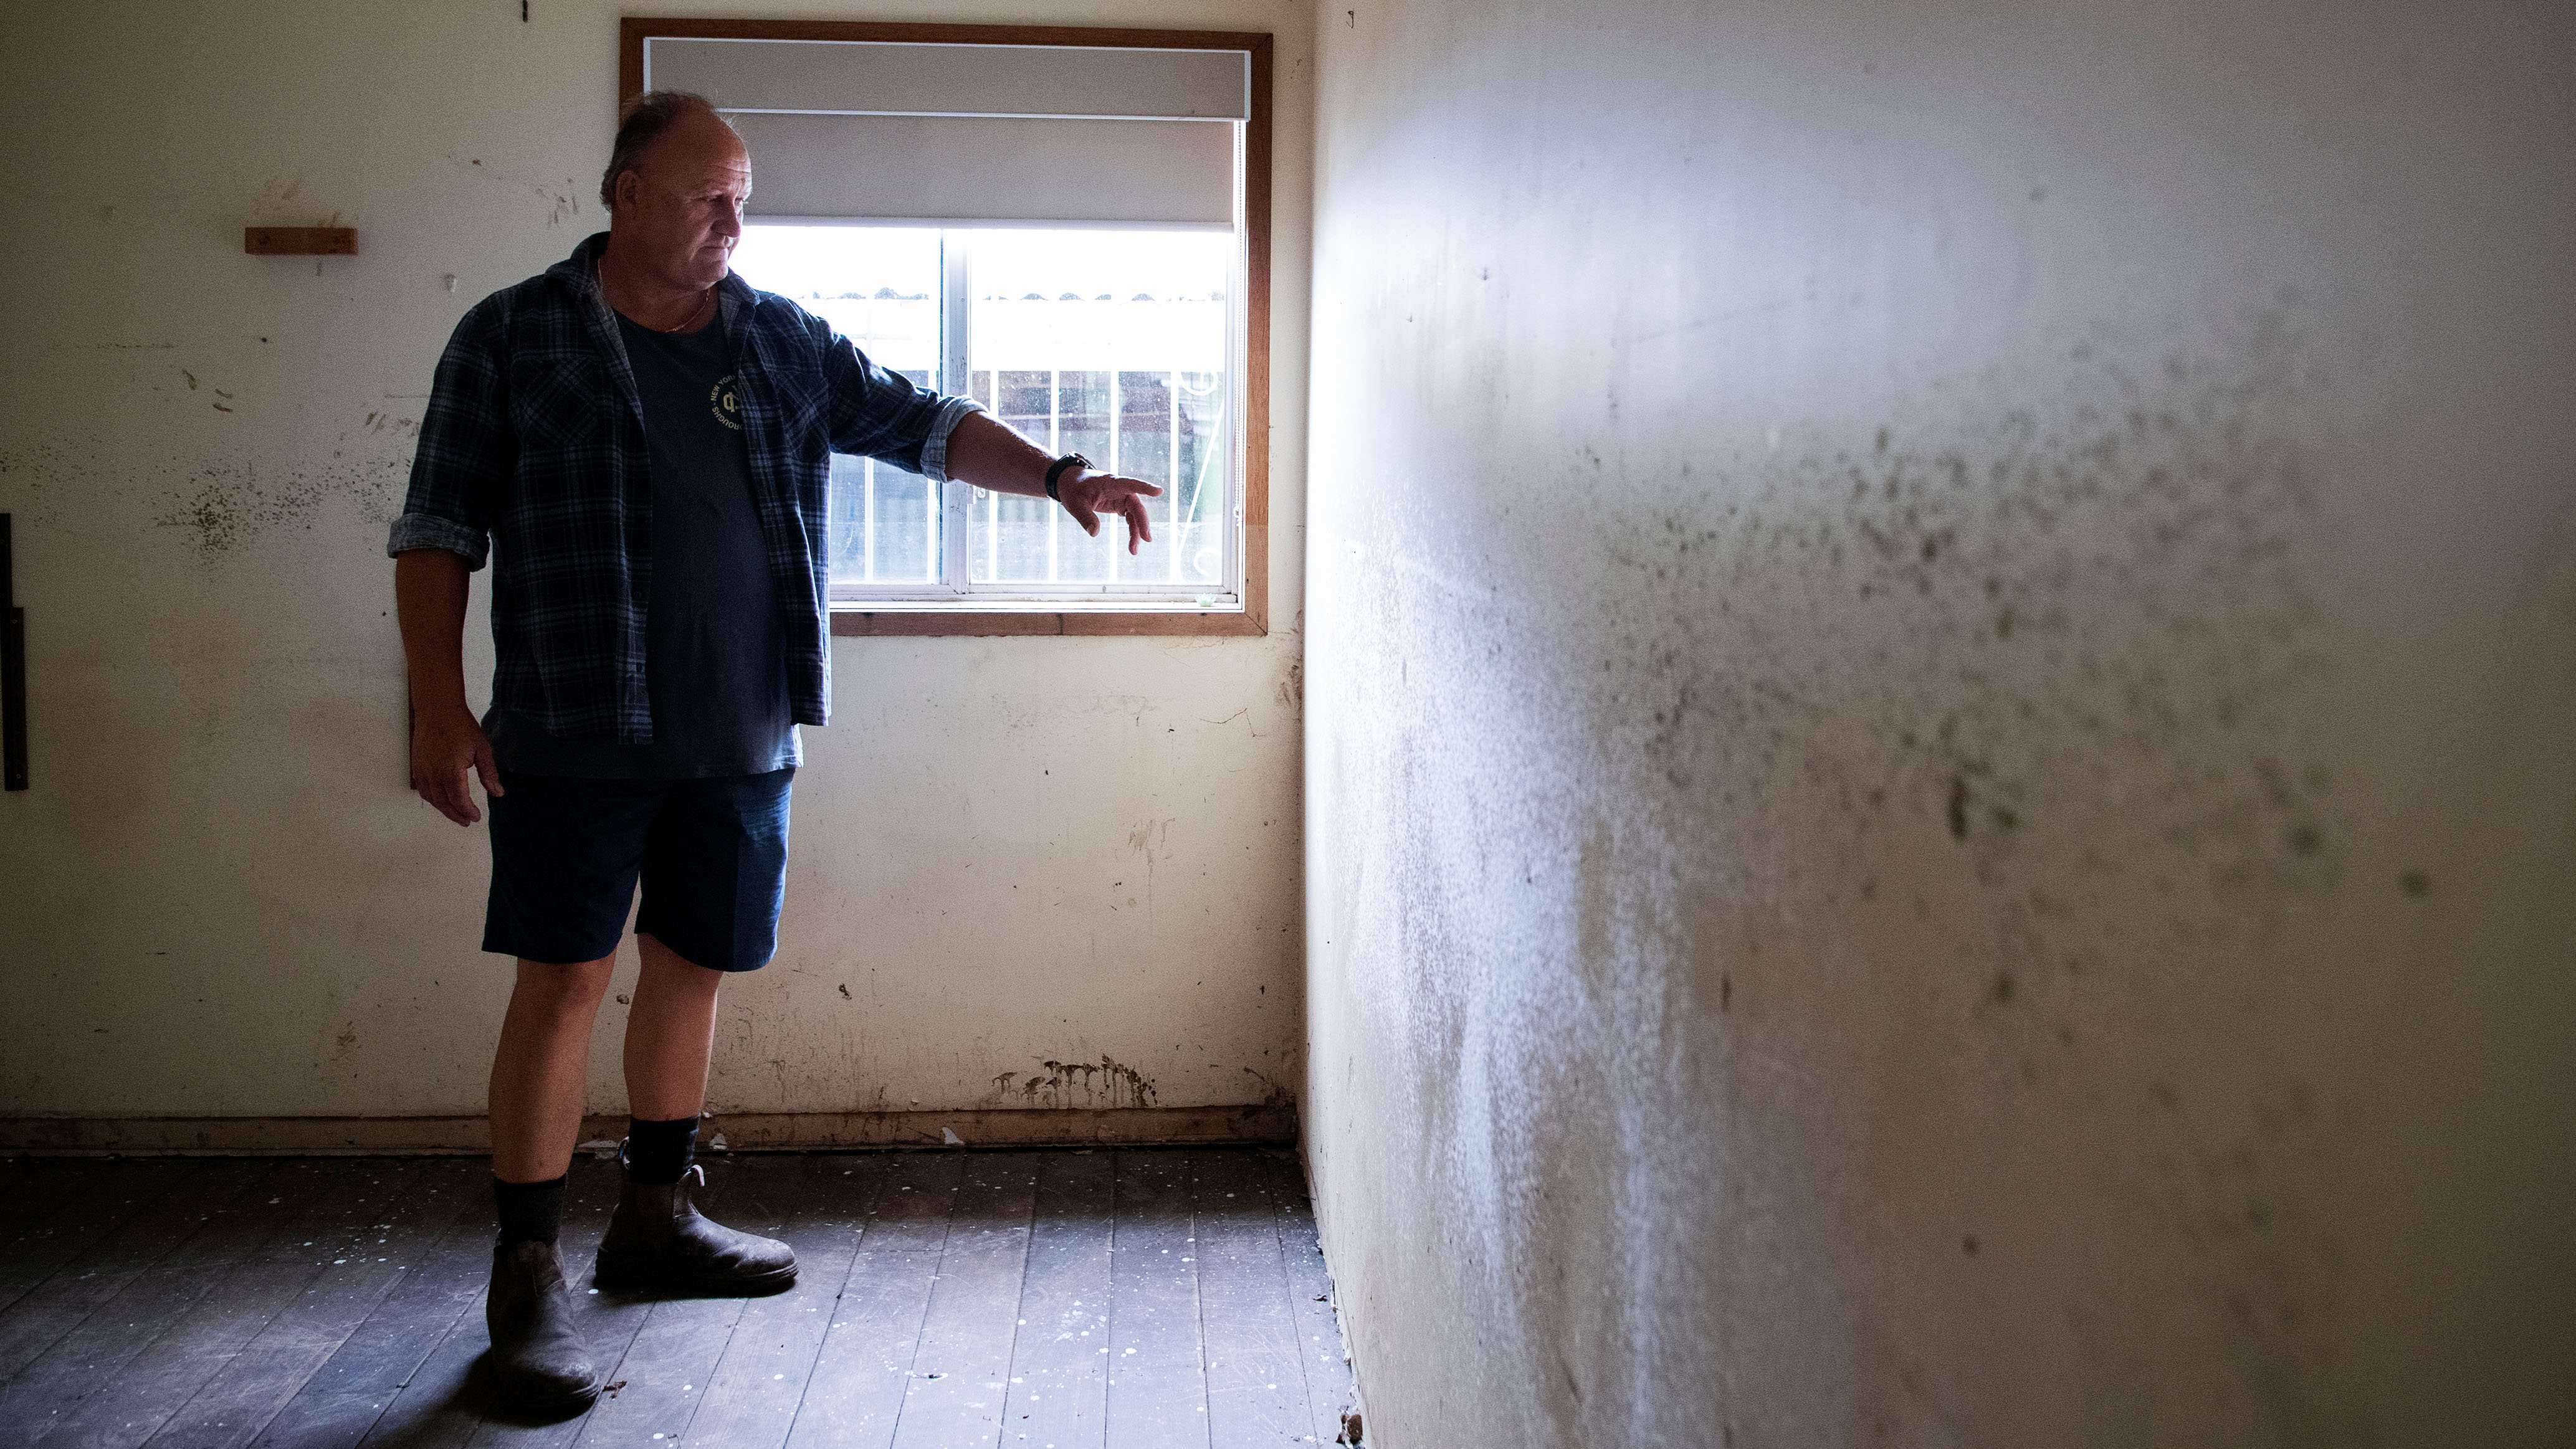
<point x="1106" y="1083"/>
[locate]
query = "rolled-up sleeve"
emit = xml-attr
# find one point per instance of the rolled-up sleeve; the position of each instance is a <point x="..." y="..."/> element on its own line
<point x="881" y="414"/>
<point x="467" y="450"/>
<point x="934" y="451"/>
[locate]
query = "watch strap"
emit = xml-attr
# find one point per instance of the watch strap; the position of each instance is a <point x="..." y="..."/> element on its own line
<point x="1069" y="460"/>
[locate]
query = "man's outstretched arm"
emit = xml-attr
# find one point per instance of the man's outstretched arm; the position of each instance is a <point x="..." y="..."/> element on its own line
<point x="990" y="455"/>
<point x="430" y="586"/>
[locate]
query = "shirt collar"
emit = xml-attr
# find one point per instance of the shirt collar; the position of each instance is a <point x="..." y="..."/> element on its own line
<point x="580" y="271"/>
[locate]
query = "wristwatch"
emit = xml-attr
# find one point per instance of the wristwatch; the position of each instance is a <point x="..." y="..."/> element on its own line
<point x="1069" y="460"/>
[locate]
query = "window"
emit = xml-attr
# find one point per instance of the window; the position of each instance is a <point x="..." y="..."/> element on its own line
<point x="1095" y="280"/>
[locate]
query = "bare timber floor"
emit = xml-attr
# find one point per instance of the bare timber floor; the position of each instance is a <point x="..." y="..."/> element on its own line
<point x="1128" y="1298"/>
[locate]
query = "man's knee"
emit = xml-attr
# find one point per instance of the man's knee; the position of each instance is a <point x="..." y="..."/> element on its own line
<point x="660" y="960"/>
<point x="565" y="987"/>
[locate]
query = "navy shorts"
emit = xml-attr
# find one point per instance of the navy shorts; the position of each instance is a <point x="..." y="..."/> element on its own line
<point x="566" y="855"/>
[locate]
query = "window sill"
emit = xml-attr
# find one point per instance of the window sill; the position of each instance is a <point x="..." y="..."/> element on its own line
<point x="988" y="623"/>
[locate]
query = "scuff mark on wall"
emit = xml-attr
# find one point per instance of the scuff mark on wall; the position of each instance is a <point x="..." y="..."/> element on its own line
<point x="563" y="202"/>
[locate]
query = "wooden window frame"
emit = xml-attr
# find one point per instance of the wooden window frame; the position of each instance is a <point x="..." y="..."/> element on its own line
<point x="1253" y="620"/>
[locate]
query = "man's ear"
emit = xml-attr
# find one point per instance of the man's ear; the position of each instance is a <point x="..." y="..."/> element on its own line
<point x="629" y="190"/>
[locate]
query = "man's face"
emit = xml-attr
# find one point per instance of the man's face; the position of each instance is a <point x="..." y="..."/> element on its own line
<point x="680" y="210"/>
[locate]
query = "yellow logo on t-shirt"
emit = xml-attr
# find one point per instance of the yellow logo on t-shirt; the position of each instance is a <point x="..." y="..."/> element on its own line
<point x="720" y="401"/>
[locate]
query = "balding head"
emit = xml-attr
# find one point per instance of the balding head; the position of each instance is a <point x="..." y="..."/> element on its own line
<point x="640" y="122"/>
<point x="675" y="188"/>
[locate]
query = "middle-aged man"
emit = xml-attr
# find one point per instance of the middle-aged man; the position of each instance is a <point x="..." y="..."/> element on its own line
<point x="647" y="440"/>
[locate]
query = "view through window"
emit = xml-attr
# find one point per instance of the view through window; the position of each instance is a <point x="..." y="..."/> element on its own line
<point x="1110" y="343"/>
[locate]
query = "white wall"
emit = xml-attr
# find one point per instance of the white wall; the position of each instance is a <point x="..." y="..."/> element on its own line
<point x="221" y="901"/>
<point x="1942" y="768"/>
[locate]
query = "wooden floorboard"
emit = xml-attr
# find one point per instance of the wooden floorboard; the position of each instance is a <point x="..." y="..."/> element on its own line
<point x="1056" y="1299"/>
<point x="855" y="1393"/>
<point x="33" y="1189"/>
<point x="135" y="1360"/>
<point x="341" y="1201"/>
<point x="753" y="1396"/>
<point x="673" y="1358"/>
<point x="343" y="1398"/>
<point x="1157" y="1394"/>
<point x="32" y="1327"/>
<point x="95" y="1206"/>
<point x="1310" y="1295"/>
<point x="961" y="1370"/>
<point x="1256" y="1385"/>
<point x="1059" y="1362"/>
<point x="368" y="1258"/>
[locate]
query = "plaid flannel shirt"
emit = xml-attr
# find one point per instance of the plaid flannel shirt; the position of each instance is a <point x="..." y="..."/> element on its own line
<point x="534" y="440"/>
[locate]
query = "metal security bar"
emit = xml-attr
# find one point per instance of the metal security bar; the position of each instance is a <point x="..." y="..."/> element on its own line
<point x="1166" y="427"/>
<point x="898" y="536"/>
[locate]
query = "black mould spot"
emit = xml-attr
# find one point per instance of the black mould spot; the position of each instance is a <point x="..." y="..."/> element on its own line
<point x="2415" y="883"/>
<point x="845" y="992"/>
<point x="2304" y="840"/>
<point x="1959" y="807"/>
<point x="1969" y="1245"/>
<point x="2001" y="993"/>
<point x="1725" y="990"/>
<point x="2004" y="818"/>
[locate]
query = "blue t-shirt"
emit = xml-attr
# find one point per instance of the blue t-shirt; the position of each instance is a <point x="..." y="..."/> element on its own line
<point x="715" y="651"/>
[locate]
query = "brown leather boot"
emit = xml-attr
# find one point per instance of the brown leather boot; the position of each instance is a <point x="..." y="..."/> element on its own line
<point x="656" y="1239"/>
<point x="538" y="1363"/>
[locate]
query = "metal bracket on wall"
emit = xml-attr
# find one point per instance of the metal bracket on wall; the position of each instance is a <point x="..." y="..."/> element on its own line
<point x="13" y="669"/>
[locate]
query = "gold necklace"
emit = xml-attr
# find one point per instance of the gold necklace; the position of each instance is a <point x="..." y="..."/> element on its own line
<point x="692" y="319"/>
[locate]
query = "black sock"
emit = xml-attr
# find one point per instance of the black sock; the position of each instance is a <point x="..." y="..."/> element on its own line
<point x="531" y="1212"/>
<point x="658" y="1152"/>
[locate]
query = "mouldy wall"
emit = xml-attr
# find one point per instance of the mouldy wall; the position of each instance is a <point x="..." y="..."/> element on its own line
<point x="221" y="900"/>
<point x="1943" y="739"/>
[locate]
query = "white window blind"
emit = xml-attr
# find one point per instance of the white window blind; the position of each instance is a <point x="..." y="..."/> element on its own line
<point x="873" y="130"/>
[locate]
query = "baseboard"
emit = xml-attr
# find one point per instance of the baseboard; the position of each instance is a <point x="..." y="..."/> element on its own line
<point x="1271" y="1122"/>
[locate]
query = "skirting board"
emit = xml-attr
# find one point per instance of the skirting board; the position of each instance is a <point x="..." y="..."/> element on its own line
<point x="1274" y="1122"/>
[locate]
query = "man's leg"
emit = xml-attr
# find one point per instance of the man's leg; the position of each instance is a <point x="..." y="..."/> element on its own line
<point x="541" y="1073"/>
<point x="565" y="857"/>
<point x="670" y="1034"/>
<point x="712" y="875"/>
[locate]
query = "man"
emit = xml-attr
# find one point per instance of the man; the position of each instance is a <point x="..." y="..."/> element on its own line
<point x="647" y="439"/>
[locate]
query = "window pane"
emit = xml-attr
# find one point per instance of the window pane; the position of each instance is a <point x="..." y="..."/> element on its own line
<point x="879" y="287"/>
<point x="1110" y="344"/>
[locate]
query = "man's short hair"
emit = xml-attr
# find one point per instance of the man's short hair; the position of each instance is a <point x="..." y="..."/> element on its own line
<point x="639" y="121"/>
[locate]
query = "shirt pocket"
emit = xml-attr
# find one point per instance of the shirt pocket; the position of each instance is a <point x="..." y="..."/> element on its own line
<point x="560" y="403"/>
